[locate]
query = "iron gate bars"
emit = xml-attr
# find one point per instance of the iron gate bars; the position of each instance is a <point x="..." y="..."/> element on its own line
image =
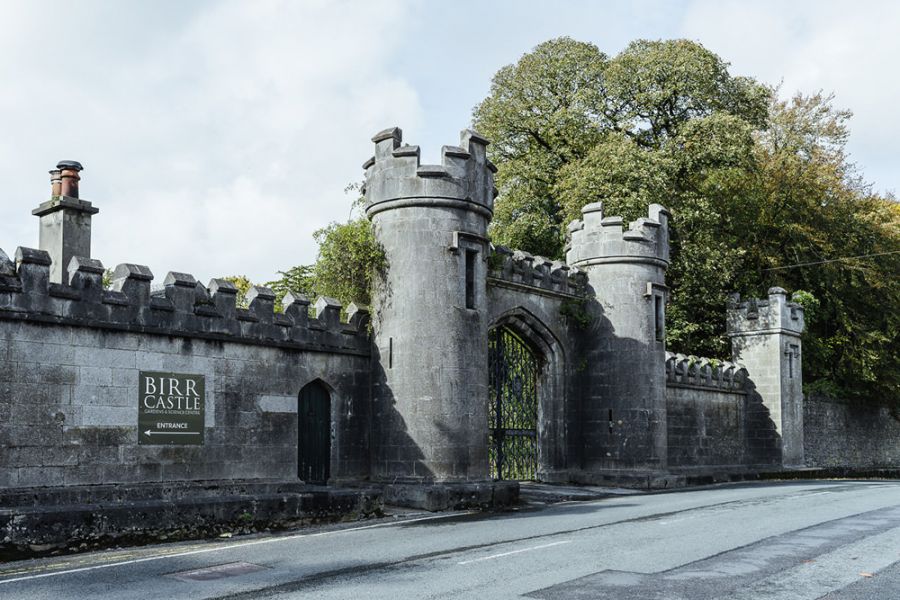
<point x="513" y="406"/>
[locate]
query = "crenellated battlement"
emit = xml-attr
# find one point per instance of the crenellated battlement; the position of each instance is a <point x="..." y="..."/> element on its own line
<point x="696" y="371"/>
<point x="181" y="307"/>
<point x="765" y="336"/>
<point x="773" y="314"/>
<point x="521" y="268"/>
<point x="596" y="239"/>
<point x="396" y="178"/>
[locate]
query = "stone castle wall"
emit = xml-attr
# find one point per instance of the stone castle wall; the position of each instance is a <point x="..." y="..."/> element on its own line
<point x="706" y="405"/>
<point x="837" y="433"/>
<point x="705" y="427"/>
<point x="70" y="356"/>
<point x="541" y="301"/>
<point x="409" y="394"/>
<point x="429" y="326"/>
<point x="715" y="416"/>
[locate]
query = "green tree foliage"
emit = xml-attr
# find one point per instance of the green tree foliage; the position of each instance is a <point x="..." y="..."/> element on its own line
<point x="566" y="103"/>
<point x="107" y="278"/>
<point x="811" y="206"/>
<point x="297" y="280"/>
<point x="243" y="285"/>
<point x="543" y="113"/>
<point x="349" y="257"/>
<point x="754" y="183"/>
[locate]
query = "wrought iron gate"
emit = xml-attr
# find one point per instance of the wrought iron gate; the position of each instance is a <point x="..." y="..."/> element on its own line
<point x="513" y="406"/>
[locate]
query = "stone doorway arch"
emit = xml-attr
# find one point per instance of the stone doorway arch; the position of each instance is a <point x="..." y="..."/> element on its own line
<point x="314" y="433"/>
<point x="526" y="371"/>
<point x="513" y="370"/>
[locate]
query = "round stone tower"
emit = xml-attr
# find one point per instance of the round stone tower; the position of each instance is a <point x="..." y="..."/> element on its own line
<point x="429" y="310"/>
<point x="624" y="408"/>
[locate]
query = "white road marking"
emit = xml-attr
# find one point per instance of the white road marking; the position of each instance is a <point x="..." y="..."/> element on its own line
<point x="492" y="556"/>
<point x="219" y="548"/>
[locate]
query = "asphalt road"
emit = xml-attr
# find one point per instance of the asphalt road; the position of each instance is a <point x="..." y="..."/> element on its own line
<point x="801" y="540"/>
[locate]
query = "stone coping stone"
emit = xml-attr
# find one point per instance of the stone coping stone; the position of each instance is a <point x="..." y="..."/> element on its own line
<point x="534" y="492"/>
<point x="163" y="491"/>
<point x="30" y="531"/>
<point x="738" y="475"/>
<point x="481" y="495"/>
<point x="680" y="477"/>
<point x="630" y="478"/>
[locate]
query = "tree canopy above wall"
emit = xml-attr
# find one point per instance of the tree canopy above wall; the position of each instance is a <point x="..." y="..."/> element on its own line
<point x="756" y="184"/>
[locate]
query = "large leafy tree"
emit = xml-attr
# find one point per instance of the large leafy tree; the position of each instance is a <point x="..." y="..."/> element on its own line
<point x="762" y="191"/>
<point x="756" y="185"/>
<point x="811" y="208"/>
<point x="567" y="104"/>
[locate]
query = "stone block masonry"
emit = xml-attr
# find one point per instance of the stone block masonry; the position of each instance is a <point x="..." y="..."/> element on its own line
<point x="838" y="433"/>
<point x="765" y="337"/>
<point x="70" y="355"/>
<point x="39" y="521"/>
<point x="623" y="406"/>
<point x="706" y="407"/>
<point x="429" y="327"/>
<point x="580" y="387"/>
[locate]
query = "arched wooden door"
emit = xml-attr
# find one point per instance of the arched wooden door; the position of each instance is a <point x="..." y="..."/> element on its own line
<point x="314" y="431"/>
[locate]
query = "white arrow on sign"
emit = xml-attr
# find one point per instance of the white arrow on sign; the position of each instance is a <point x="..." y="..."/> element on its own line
<point x="148" y="432"/>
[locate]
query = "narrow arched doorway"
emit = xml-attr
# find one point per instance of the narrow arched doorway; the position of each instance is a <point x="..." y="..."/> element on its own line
<point x="314" y="433"/>
<point x="514" y="373"/>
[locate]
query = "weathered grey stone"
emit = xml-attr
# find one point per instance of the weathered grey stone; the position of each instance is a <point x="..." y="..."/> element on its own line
<point x="134" y="282"/>
<point x="357" y="316"/>
<point x="33" y="270"/>
<point x="410" y="404"/>
<point x="262" y="303"/>
<point x="626" y="280"/>
<point x="328" y="312"/>
<point x="86" y="276"/>
<point x="431" y="221"/>
<point x="277" y="404"/>
<point x="7" y="267"/>
<point x="847" y="434"/>
<point x="109" y="416"/>
<point x="99" y="402"/>
<point x="765" y="338"/>
<point x="65" y="232"/>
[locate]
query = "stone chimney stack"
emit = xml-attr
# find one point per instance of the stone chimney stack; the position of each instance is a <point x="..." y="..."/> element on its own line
<point x="65" y="229"/>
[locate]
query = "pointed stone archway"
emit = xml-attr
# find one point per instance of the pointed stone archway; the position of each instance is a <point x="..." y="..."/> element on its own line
<point x="528" y="441"/>
<point x="314" y="433"/>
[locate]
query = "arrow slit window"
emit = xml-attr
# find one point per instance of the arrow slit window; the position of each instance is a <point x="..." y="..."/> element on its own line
<point x="470" y="278"/>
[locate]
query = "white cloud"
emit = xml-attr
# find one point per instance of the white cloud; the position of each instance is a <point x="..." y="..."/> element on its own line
<point x="218" y="135"/>
<point x="848" y="49"/>
<point x="215" y="139"/>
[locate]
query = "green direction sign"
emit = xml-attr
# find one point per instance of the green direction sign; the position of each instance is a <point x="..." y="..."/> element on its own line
<point x="170" y="408"/>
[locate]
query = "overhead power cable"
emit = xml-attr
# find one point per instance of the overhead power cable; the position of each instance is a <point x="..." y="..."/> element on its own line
<point x="822" y="262"/>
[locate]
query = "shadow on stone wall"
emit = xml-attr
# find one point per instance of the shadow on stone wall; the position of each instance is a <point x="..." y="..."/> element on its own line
<point x="622" y="399"/>
<point x="840" y="433"/>
<point x="764" y="444"/>
<point x="554" y="396"/>
<point x="763" y="440"/>
<point x="395" y="456"/>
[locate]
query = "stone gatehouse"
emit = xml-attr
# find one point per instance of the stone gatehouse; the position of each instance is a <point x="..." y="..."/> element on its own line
<point x="476" y="363"/>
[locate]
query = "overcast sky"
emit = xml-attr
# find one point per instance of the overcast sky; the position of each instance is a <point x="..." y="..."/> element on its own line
<point x="217" y="136"/>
